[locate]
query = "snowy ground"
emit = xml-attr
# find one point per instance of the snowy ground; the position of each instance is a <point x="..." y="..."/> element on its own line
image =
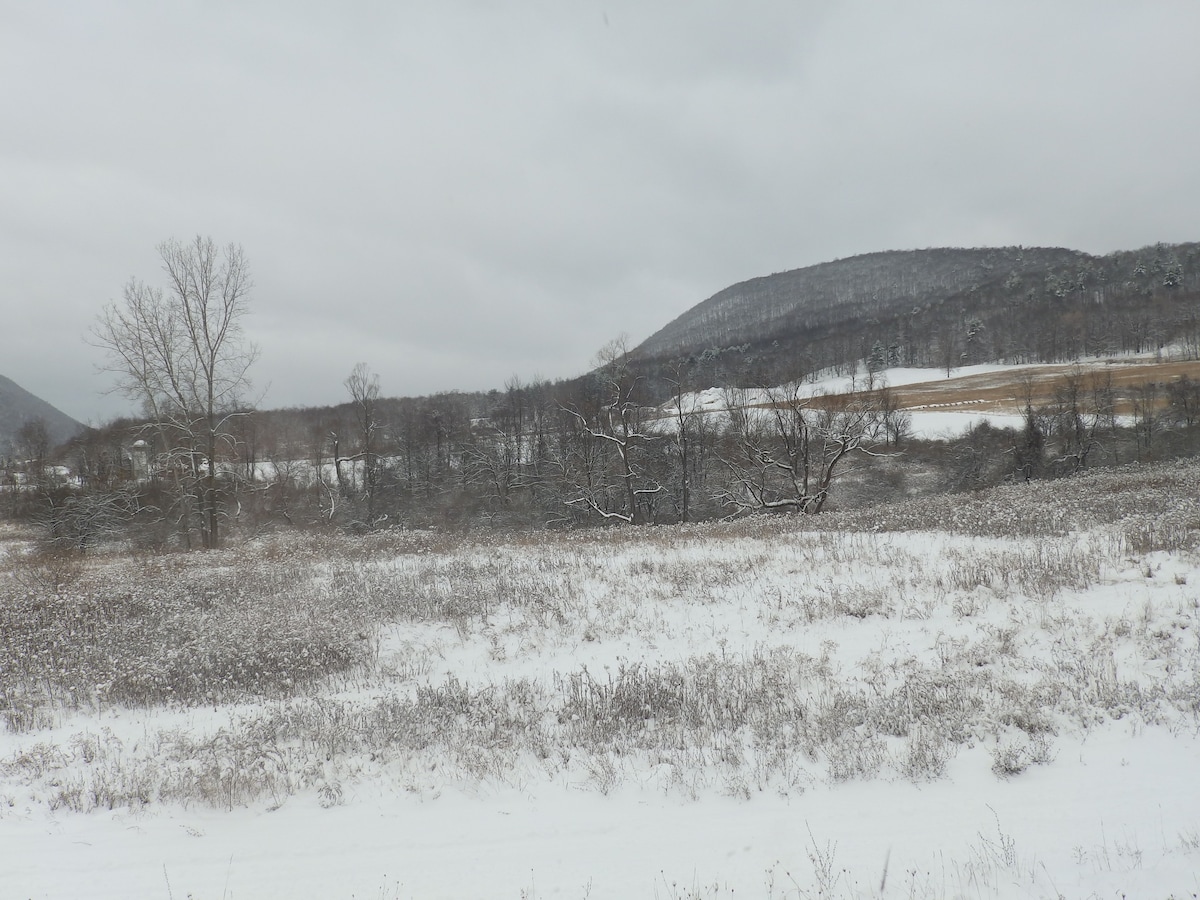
<point x="1103" y="820"/>
<point x="1004" y="703"/>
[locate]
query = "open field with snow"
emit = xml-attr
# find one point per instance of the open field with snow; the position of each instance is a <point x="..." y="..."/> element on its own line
<point x="1008" y="388"/>
<point x="943" y="404"/>
<point x="975" y="696"/>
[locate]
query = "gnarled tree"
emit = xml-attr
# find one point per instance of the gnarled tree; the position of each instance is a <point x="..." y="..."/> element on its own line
<point x="786" y="448"/>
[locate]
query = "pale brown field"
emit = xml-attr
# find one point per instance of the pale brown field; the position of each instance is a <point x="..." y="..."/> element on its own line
<point x="1011" y="390"/>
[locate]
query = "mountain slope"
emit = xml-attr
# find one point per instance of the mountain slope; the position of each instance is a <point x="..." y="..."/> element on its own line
<point x="843" y="290"/>
<point x="18" y="406"/>
<point x="938" y="307"/>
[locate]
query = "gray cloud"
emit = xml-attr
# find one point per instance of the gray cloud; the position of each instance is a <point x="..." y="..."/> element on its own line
<point x="458" y="192"/>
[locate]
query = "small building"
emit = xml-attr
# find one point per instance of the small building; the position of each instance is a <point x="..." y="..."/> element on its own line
<point x="139" y="457"/>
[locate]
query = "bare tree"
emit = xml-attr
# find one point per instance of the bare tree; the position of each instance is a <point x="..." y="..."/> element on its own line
<point x="1076" y="422"/>
<point x="1147" y="418"/>
<point x="498" y="455"/>
<point x="1183" y="398"/>
<point x="33" y="446"/>
<point x="363" y="386"/>
<point x="692" y="436"/>
<point x="180" y="352"/>
<point x="1029" y="450"/>
<point x="609" y="476"/>
<point x="787" y="451"/>
<point x="896" y="421"/>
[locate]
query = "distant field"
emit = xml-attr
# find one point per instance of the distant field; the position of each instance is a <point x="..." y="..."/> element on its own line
<point x="1009" y="390"/>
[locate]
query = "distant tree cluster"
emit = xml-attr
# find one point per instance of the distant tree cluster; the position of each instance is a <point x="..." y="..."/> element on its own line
<point x="593" y="451"/>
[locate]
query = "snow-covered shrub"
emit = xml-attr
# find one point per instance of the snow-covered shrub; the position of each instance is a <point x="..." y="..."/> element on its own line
<point x="176" y="631"/>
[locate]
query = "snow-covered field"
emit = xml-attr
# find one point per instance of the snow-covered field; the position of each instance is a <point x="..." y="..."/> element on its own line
<point x="981" y="697"/>
<point x="937" y="422"/>
<point x="947" y="404"/>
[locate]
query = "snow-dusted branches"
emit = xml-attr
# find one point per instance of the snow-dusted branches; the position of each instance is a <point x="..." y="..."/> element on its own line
<point x="785" y="452"/>
<point x="607" y="448"/>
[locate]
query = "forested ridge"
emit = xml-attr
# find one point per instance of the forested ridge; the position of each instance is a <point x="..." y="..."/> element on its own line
<point x="938" y="308"/>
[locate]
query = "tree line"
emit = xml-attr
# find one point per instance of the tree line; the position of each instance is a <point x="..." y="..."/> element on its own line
<point x="625" y="444"/>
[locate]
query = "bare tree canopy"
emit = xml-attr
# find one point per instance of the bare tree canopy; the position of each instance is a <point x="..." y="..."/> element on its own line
<point x="181" y="353"/>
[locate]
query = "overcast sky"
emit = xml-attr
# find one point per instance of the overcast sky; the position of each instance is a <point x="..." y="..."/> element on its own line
<point x="459" y="192"/>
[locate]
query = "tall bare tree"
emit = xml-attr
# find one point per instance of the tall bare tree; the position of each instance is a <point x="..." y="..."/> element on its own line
<point x="363" y="386"/>
<point x="180" y="352"/>
<point x="693" y="433"/>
